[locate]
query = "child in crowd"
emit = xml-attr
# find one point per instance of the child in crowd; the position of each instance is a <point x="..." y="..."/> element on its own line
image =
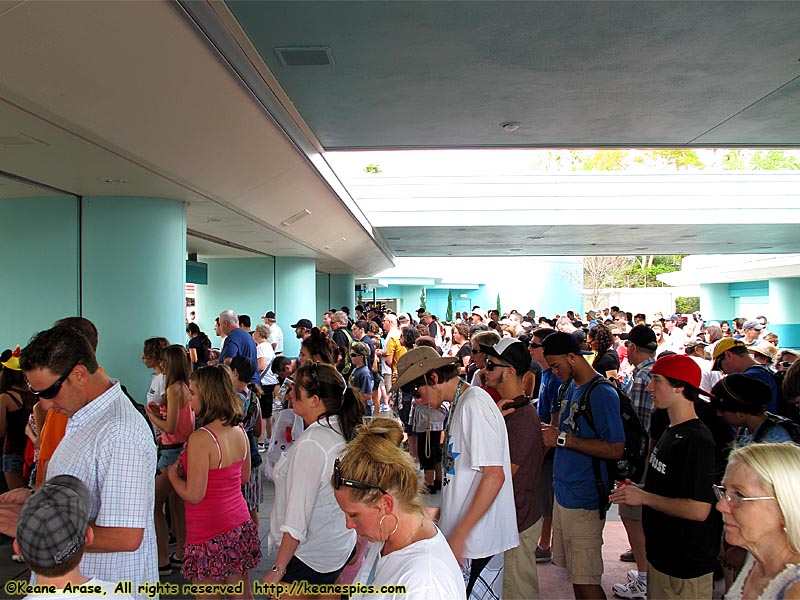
<point x="222" y="543"/>
<point x="52" y="534"/>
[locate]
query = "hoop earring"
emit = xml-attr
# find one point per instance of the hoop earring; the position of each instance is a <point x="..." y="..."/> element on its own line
<point x="396" y="525"/>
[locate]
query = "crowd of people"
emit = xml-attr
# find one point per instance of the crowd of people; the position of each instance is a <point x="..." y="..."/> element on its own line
<point x="526" y="427"/>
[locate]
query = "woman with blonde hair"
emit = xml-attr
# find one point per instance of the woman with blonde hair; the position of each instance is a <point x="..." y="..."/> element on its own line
<point x="376" y="485"/>
<point x="760" y="504"/>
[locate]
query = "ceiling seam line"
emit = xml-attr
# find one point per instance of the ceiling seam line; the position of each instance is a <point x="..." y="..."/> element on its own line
<point x="721" y="123"/>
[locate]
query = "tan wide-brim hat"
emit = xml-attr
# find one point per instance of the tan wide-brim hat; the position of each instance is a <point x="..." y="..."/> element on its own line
<point x="415" y="363"/>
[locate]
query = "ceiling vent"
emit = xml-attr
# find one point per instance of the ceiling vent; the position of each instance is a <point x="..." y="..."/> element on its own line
<point x="305" y="56"/>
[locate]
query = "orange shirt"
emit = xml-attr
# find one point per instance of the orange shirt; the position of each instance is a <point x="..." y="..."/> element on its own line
<point x="55" y="425"/>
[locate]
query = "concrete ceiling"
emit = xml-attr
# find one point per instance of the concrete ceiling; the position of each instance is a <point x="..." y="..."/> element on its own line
<point x="200" y="109"/>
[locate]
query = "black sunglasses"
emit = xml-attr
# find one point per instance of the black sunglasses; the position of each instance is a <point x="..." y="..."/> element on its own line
<point x="491" y="366"/>
<point x="534" y="345"/>
<point x="786" y="363"/>
<point x="51" y="392"/>
<point x="339" y="481"/>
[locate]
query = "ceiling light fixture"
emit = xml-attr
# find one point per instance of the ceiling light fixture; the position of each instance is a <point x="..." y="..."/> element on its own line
<point x="116" y="181"/>
<point x="335" y="243"/>
<point x="510" y="126"/>
<point x="296" y="217"/>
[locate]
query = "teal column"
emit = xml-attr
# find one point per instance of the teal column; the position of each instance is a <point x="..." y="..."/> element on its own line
<point x="784" y="298"/>
<point x="245" y="285"/>
<point x="133" y="255"/>
<point x="295" y="297"/>
<point x="343" y="292"/>
<point x="323" y="297"/>
<point x="41" y="265"/>
<point x="716" y="303"/>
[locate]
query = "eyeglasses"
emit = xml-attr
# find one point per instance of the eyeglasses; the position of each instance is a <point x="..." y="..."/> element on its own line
<point x="51" y="392"/>
<point x="534" y="345"/>
<point x="339" y="481"/>
<point x="491" y="366"/>
<point x="734" y="499"/>
<point x="355" y="354"/>
<point x="786" y="363"/>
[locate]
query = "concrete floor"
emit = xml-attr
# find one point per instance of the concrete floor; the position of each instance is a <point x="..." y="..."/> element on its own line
<point x="552" y="579"/>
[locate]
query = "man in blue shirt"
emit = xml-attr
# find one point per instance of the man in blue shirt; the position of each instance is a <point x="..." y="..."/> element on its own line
<point x="577" y="526"/>
<point x="732" y="356"/>
<point x="237" y="343"/>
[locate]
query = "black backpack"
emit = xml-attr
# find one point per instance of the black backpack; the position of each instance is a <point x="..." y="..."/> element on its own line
<point x="631" y="465"/>
<point x="792" y="428"/>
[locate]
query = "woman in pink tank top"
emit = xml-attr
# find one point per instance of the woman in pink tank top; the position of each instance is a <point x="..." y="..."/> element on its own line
<point x="222" y="543"/>
<point x="175" y="418"/>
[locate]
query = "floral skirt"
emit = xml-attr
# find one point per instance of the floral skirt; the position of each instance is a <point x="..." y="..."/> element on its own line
<point x="234" y="551"/>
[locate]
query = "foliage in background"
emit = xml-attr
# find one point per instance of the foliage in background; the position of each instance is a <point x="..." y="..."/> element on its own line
<point x="422" y="299"/>
<point x="372" y="168"/>
<point x="687" y="304"/>
<point x="448" y="316"/>
<point x="499" y="310"/>
<point x="600" y="272"/>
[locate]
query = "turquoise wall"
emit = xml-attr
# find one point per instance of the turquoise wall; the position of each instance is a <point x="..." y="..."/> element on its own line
<point x="295" y="297"/>
<point x="343" y="292"/>
<point x="40" y="260"/>
<point x="133" y="254"/>
<point x="246" y="285"/>
<point x="784" y="298"/>
<point x="323" y="295"/>
<point x="716" y="303"/>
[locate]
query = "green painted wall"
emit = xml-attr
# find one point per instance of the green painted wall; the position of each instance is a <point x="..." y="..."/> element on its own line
<point x="343" y="292"/>
<point x="295" y="297"/>
<point x="246" y="285"/>
<point x="323" y="295"/>
<point x="716" y="303"/>
<point x="40" y="260"/>
<point x="133" y="254"/>
<point x="784" y="298"/>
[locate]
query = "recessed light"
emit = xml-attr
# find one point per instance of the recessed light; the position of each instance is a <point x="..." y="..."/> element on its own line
<point x="116" y="181"/>
<point x="212" y="220"/>
<point x="510" y="126"/>
<point x="535" y="237"/>
<point x="335" y="243"/>
<point x="296" y="217"/>
<point x="515" y="249"/>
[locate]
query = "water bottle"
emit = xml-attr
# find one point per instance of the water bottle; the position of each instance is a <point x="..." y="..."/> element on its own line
<point x="279" y="401"/>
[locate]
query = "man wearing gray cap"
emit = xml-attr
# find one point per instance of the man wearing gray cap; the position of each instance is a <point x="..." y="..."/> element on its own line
<point x="477" y="493"/>
<point x="52" y="534"/>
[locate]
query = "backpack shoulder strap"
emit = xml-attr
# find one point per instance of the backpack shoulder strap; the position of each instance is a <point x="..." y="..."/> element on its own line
<point x="585" y="408"/>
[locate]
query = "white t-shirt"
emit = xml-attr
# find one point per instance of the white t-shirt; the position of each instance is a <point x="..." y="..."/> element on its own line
<point x="305" y="506"/>
<point x="264" y="350"/>
<point x="157" y="388"/>
<point x="276" y="337"/>
<point x="478" y="438"/>
<point x="427" y="568"/>
<point x="94" y="587"/>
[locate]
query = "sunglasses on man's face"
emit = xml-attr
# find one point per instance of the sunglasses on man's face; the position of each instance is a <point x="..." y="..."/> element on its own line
<point x="52" y="391"/>
<point x="534" y="345"/>
<point x="491" y="366"/>
<point x="340" y="482"/>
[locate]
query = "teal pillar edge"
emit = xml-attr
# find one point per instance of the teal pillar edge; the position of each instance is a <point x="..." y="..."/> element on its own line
<point x="41" y="265"/>
<point x="343" y="291"/>
<point x="295" y="297"/>
<point x="133" y="253"/>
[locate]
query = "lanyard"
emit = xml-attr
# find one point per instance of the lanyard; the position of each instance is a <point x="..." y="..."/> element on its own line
<point x="448" y="456"/>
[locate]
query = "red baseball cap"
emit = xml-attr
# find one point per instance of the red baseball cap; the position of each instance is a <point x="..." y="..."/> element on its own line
<point x="681" y="368"/>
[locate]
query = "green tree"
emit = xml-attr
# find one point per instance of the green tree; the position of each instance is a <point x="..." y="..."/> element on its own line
<point x="422" y="299"/>
<point x="733" y="160"/>
<point x="680" y="159"/>
<point x="773" y="160"/>
<point x="499" y="310"/>
<point x="372" y="168"/>
<point x="448" y="316"/>
<point x="687" y="304"/>
<point x="606" y="160"/>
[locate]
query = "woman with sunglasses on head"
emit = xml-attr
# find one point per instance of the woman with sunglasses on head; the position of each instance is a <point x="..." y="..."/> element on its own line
<point x="306" y="523"/>
<point x="760" y="506"/>
<point x="377" y="487"/>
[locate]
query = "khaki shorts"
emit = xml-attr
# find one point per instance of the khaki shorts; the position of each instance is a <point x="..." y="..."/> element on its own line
<point x="661" y="586"/>
<point x="578" y="544"/>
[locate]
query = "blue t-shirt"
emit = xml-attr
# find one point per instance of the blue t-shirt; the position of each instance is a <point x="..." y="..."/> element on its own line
<point x="763" y="374"/>
<point x="573" y="474"/>
<point x="361" y="379"/>
<point x="241" y="343"/>
<point x="548" y="395"/>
